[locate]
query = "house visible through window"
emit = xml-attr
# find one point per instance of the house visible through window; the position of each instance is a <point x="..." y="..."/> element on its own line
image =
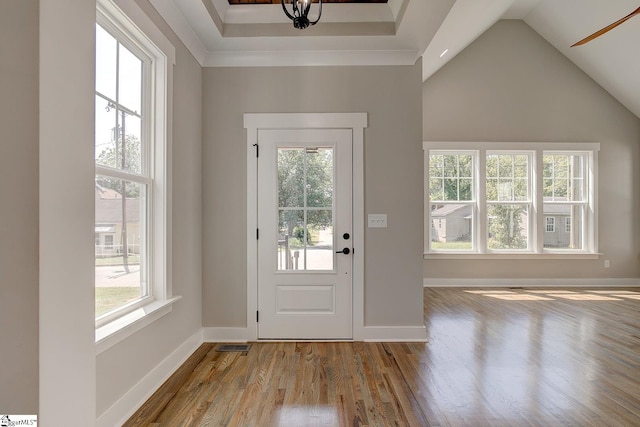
<point x="504" y="198"/>
<point x="451" y="200"/>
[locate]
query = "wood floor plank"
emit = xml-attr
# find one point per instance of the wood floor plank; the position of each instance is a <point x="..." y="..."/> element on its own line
<point x="495" y="357"/>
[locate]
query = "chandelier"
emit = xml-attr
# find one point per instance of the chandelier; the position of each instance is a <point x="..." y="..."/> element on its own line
<point x="300" y="13"/>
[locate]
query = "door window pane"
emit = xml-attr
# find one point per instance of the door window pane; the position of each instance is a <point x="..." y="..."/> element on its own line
<point x="319" y="248"/>
<point x="319" y="177"/>
<point x="290" y="177"/>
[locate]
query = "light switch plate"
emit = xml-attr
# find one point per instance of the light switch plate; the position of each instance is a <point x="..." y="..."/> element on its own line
<point x="377" y="220"/>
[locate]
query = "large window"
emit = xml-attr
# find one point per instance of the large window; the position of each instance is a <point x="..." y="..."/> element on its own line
<point x="508" y="198"/>
<point x="131" y="255"/>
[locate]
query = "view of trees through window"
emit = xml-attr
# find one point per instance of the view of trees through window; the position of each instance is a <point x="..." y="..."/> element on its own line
<point x="305" y="200"/>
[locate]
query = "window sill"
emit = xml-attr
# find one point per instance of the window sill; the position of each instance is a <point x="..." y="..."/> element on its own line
<point x="525" y="255"/>
<point x="123" y="327"/>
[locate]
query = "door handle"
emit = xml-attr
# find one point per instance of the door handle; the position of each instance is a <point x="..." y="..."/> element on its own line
<point x="345" y="251"/>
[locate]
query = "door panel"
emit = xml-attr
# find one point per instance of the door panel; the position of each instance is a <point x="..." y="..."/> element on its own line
<point x="304" y="211"/>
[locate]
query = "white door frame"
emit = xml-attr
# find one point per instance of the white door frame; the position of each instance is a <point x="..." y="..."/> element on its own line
<point x="357" y="122"/>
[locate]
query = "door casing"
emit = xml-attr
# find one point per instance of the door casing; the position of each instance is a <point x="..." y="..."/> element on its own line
<point x="356" y="122"/>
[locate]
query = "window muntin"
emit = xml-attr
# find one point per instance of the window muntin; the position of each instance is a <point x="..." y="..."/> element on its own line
<point x="524" y="187"/>
<point x="565" y="197"/>
<point x="452" y="200"/>
<point x="123" y="183"/>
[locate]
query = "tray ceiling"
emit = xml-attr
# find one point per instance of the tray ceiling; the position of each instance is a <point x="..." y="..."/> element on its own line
<point x="223" y="33"/>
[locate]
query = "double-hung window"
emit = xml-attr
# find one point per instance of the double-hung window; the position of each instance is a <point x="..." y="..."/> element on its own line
<point x="452" y="200"/>
<point x="131" y="188"/>
<point x="565" y="198"/>
<point x="510" y="199"/>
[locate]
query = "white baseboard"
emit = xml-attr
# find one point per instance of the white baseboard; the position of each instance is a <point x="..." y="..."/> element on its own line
<point x="393" y="334"/>
<point x="530" y="283"/>
<point x="129" y="403"/>
<point x="211" y="334"/>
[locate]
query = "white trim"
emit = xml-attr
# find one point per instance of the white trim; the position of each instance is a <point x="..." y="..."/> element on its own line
<point x="128" y="14"/>
<point x="568" y="254"/>
<point x="511" y="146"/>
<point x="131" y="401"/>
<point x="394" y="334"/>
<point x="183" y="30"/>
<point x="355" y="121"/>
<point x="215" y="334"/>
<point x="305" y="120"/>
<point x="348" y="13"/>
<point x="310" y="58"/>
<point x="123" y="327"/>
<point x="530" y="282"/>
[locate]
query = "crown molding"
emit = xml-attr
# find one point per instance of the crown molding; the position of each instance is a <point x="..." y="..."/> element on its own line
<point x="310" y="58"/>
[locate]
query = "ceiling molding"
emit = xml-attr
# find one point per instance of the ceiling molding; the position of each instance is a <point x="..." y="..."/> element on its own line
<point x="310" y="58"/>
<point x="337" y="29"/>
<point x="181" y="27"/>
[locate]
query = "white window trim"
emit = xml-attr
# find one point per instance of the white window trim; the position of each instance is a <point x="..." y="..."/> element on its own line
<point x="536" y="239"/>
<point x="138" y="28"/>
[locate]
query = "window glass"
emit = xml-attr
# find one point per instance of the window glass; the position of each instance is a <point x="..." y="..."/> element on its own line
<point x="451" y="192"/>
<point x="506" y="219"/>
<point x="121" y="208"/>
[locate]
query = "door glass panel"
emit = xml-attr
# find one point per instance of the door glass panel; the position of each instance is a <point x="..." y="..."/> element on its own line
<point x="305" y="211"/>
<point x="291" y="239"/>
<point x="319" y="251"/>
<point x="290" y="177"/>
<point x="319" y="180"/>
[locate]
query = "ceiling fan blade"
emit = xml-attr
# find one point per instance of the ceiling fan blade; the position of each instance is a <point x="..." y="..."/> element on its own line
<point x="607" y="28"/>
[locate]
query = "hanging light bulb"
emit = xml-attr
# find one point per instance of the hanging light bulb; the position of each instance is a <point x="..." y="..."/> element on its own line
<point x="301" y="12"/>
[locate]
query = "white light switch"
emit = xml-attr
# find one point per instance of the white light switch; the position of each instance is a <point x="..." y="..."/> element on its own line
<point x="377" y="220"/>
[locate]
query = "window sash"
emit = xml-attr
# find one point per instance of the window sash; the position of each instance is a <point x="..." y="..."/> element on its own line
<point x="145" y="177"/>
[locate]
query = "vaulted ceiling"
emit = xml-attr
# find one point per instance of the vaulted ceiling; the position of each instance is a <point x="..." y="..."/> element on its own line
<point x="386" y="32"/>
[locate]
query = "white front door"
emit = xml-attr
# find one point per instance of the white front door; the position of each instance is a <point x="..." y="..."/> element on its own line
<point x="305" y="234"/>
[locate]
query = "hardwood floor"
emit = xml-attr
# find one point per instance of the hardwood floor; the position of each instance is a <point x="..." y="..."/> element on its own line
<point x="495" y="357"/>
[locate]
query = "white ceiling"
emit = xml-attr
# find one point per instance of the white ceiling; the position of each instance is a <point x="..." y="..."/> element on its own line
<point x="399" y="32"/>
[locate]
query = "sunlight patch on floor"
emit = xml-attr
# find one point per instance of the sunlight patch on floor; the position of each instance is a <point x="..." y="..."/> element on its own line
<point x="519" y="297"/>
<point x="551" y="295"/>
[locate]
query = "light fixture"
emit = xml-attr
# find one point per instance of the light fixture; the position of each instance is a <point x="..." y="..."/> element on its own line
<point x="301" y="12"/>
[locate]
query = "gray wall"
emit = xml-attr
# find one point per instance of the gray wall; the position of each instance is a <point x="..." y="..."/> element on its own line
<point x="121" y="367"/>
<point x="393" y="178"/>
<point x="511" y="85"/>
<point x="19" y="206"/>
